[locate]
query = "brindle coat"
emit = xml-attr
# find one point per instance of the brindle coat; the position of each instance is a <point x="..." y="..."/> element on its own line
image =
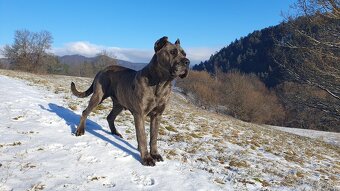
<point x="143" y="93"/>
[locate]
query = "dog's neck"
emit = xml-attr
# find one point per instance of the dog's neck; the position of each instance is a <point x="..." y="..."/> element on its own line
<point x="155" y="74"/>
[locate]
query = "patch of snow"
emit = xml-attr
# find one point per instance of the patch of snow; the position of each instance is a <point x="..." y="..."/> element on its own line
<point x="328" y="137"/>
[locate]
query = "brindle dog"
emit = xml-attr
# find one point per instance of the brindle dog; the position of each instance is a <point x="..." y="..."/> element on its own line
<point x="144" y="93"/>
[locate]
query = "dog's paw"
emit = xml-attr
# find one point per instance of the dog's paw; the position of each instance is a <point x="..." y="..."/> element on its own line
<point x="157" y="157"/>
<point x="118" y="134"/>
<point x="79" y="132"/>
<point x="148" y="161"/>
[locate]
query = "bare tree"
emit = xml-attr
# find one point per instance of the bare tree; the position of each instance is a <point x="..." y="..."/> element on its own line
<point x="28" y="52"/>
<point x="310" y="48"/>
<point x="104" y="59"/>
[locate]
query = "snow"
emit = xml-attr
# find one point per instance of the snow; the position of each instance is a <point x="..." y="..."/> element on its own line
<point x="329" y="137"/>
<point x="202" y="150"/>
<point x="49" y="156"/>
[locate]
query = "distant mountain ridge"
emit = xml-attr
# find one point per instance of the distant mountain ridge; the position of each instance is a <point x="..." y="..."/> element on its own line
<point x="79" y="59"/>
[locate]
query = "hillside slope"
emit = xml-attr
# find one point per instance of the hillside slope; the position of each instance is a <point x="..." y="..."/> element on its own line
<point x="278" y="54"/>
<point x="253" y="53"/>
<point x="202" y="150"/>
<point x="303" y="74"/>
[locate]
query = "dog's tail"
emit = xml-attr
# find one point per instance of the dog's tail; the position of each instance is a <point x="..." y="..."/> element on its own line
<point x="81" y="94"/>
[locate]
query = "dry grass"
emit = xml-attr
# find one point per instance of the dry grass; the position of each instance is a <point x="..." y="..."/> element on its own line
<point x="74" y="107"/>
<point x="239" y="164"/>
<point x="243" y="96"/>
<point x="170" y="128"/>
<point x="17" y="117"/>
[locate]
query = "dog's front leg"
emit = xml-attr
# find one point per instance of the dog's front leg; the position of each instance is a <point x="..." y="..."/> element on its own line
<point x="154" y="125"/>
<point x="146" y="158"/>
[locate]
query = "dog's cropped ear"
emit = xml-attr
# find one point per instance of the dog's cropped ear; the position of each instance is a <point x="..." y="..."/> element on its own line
<point x="160" y="43"/>
<point x="178" y="42"/>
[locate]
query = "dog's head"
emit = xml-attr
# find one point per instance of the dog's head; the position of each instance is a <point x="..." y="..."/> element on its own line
<point x="172" y="58"/>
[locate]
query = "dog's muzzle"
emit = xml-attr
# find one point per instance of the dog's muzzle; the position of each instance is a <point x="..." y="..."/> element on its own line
<point x="185" y="73"/>
<point x="186" y="62"/>
<point x="180" y="69"/>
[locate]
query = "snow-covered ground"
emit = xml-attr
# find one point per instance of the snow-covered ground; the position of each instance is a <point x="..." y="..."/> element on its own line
<point x="328" y="137"/>
<point x="38" y="150"/>
<point x="202" y="150"/>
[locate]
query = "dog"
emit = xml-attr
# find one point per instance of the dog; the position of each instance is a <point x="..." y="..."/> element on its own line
<point x="145" y="93"/>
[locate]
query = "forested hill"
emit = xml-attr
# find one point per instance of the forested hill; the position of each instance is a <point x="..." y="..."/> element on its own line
<point x="299" y="46"/>
<point x="299" y="60"/>
<point x="251" y="54"/>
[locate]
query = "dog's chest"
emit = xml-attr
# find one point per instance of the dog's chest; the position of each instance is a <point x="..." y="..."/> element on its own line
<point x="157" y="101"/>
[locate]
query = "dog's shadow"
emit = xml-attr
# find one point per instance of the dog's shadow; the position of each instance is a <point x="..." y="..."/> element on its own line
<point x="92" y="127"/>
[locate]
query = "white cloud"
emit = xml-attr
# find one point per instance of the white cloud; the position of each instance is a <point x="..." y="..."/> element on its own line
<point x="81" y="47"/>
<point x="132" y="55"/>
<point x="198" y="54"/>
<point x="195" y="54"/>
<point x="87" y="49"/>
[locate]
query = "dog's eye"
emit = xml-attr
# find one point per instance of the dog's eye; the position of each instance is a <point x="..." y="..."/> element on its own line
<point x="174" y="52"/>
<point x="184" y="54"/>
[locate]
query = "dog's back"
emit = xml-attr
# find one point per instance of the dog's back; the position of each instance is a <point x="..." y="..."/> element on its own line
<point x="114" y="79"/>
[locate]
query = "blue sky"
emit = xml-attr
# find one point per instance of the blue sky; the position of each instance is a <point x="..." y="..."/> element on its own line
<point x="130" y="28"/>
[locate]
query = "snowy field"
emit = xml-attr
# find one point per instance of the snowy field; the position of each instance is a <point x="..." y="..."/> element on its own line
<point x="202" y="150"/>
<point x="328" y="137"/>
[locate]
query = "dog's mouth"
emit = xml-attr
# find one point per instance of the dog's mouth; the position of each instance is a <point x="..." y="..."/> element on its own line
<point x="184" y="74"/>
<point x="179" y="73"/>
<point x="179" y="70"/>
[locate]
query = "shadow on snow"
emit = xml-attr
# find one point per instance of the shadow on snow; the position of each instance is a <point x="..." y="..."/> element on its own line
<point x="92" y="127"/>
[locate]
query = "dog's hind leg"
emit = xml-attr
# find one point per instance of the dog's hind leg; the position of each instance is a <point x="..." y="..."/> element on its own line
<point x="93" y="103"/>
<point x="116" y="109"/>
